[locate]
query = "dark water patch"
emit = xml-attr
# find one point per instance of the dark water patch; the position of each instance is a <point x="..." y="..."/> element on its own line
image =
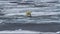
<point x="31" y="27"/>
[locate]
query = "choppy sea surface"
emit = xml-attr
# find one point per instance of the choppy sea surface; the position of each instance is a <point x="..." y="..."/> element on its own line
<point x="39" y="14"/>
<point x="14" y="17"/>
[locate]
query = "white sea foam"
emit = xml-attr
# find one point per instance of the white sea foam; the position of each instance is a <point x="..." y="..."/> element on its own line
<point x="19" y="31"/>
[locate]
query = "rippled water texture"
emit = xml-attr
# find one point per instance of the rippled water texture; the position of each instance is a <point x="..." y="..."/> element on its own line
<point x="44" y="18"/>
<point x="39" y="15"/>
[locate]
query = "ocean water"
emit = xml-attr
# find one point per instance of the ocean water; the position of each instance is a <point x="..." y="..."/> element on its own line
<point x="39" y="15"/>
<point x="15" y="18"/>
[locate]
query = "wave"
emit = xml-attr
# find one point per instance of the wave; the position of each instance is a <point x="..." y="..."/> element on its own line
<point x="20" y="31"/>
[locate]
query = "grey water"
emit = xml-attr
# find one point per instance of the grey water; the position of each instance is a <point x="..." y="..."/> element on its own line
<point x="14" y="17"/>
<point x="39" y="15"/>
